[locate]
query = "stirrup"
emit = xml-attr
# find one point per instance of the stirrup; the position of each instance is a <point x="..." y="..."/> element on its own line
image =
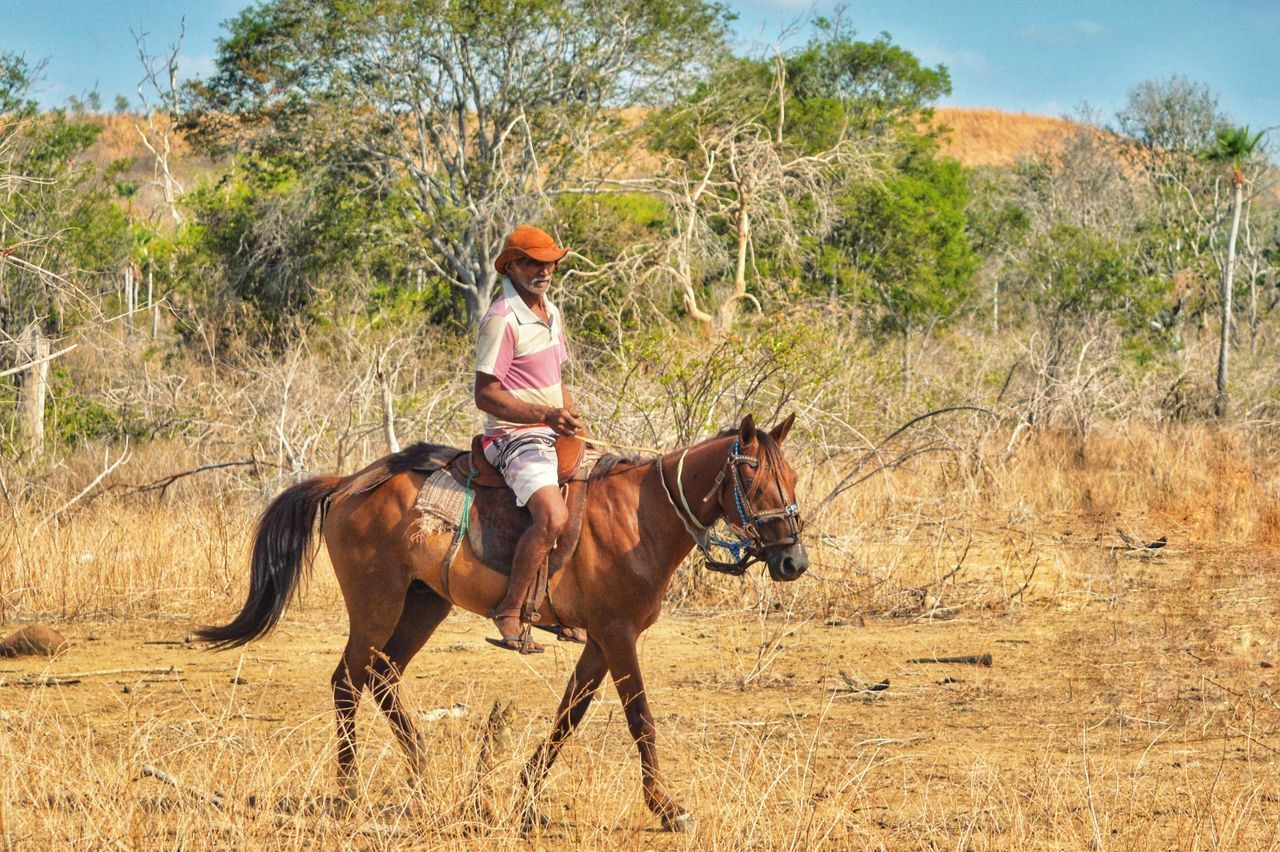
<point x="523" y="642"/>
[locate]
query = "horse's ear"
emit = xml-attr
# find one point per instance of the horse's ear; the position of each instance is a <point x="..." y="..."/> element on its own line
<point x="779" y="433"/>
<point x="746" y="431"/>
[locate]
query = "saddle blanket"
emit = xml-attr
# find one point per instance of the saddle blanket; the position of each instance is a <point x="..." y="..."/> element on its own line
<point x="440" y="503"/>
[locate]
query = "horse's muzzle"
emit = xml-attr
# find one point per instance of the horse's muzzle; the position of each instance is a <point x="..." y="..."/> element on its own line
<point x="787" y="563"/>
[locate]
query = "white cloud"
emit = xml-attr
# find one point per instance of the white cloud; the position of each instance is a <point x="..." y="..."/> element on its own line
<point x="955" y="60"/>
<point x="1065" y="32"/>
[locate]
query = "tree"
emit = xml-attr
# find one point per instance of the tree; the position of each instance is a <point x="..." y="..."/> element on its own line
<point x="906" y="245"/>
<point x="476" y="111"/>
<point x="762" y="148"/>
<point x="1234" y="146"/>
<point x="1167" y="124"/>
<point x="730" y="166"/>
<point x="57" y="221"/>
<point x="1175" y="115"/>
<point x="876" y="84"/>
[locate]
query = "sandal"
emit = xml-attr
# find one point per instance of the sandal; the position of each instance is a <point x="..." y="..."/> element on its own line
<point x="521" y="642"/>
<point x="577" y="635"/>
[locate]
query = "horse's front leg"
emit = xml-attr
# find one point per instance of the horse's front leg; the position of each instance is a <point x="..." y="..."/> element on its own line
<point x="624" y="666"/>
<point x="583" y="685"/>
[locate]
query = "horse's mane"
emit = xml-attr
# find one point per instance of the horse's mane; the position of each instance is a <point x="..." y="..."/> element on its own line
<point x="419" y="456"/>
<point x="612" y="463"/>
<point x="770" y="458"/>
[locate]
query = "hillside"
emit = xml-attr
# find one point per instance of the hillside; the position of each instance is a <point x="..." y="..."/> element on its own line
<point x="975" y="137"/>
<point x="990" y="137"/>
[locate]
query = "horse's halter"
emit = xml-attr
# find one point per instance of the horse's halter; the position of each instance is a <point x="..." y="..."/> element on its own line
<point x="751" y="546"/>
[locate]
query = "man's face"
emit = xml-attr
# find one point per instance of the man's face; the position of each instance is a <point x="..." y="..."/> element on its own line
<point x="532" y="276"/>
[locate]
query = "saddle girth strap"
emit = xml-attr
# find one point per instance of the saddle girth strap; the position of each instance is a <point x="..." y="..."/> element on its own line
<point x="464" y="525"/>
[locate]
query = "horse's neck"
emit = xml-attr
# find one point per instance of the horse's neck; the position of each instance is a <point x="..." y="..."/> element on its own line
<point x="664" y="539"/>
<point x="663" y="520"/>
<point x="696" y="479"/>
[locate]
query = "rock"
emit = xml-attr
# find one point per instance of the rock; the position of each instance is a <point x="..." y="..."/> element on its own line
<point x="34" y="640"/>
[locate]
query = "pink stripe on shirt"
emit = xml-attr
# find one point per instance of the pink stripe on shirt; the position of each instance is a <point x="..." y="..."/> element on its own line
<point x="536" y="370"/>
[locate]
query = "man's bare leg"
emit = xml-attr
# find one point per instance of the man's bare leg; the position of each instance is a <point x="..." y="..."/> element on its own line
<point x="549" y="518"/>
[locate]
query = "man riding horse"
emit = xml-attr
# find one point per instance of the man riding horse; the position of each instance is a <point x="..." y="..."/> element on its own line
<point x="640" y="519"/>
<point x="519" y="353"/>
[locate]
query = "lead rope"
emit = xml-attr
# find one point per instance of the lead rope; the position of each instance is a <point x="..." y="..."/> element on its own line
<point x="699" y="534"/>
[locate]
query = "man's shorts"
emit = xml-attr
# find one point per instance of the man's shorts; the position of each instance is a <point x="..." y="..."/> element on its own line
<point x="527" y="461"/>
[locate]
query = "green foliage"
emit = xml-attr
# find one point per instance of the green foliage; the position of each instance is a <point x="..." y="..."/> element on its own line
<point x="472" y="111"/>
<point x="1073" y="274"/>
<point x="271" y="245"/>
<point x="998" y="220"/>
<point x="906" y="243"/>
<point x="835" y="85"/>
<point x="65" y="207"/>
<point x="17" y="76"/>
<point x="713" y="383"/>
<point x="603" y="228"/>
<point x="71" y="418"/>
<point x="1233" y="145"/>
<point x="870" y="85"/>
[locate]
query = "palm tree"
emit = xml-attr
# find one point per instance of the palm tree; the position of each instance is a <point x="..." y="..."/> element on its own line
<point x="1235" y="145"/>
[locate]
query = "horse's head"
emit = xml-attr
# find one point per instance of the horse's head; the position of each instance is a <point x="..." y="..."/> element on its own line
<point x="762" y="502"/>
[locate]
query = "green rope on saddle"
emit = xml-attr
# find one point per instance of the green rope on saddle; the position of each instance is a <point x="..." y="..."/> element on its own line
<point x="464" y="525"/>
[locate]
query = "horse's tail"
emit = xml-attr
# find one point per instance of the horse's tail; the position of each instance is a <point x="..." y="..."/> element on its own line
<point x="282" y="550"/>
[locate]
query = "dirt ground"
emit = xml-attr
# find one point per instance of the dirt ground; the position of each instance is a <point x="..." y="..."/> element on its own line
<point x="1136" y="710"/>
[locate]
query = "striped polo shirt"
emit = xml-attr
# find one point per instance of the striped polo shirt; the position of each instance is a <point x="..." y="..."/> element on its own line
<point x="523" y="352"/>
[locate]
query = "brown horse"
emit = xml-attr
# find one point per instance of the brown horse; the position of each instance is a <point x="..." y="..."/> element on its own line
<point x="641" y="519"/>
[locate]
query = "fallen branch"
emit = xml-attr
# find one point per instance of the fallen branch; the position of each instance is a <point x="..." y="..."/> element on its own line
<point x="106" y="672"/>
<point x="150" y="771"/>
<point x="974" y="660"/>
<point x="164" y="482"/>
<point x="49" y="680"/>
<point x="856" y="688"/>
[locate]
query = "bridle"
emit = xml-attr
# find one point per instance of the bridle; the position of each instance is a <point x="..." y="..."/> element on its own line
<point x="751" y="546"/>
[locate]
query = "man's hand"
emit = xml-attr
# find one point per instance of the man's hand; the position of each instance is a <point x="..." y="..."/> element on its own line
<point x="564" y="422"/>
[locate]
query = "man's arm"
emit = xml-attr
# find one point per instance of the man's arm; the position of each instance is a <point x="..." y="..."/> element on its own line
<point x="491" y="398"/>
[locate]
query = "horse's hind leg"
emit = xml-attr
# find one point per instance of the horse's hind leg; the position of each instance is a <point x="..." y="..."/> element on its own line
<point x="423" y="612"/>
<point x="373" y="622"/>
<point x="584" y="683"/>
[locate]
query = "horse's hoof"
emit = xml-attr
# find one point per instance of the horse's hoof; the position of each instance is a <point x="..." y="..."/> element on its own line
<point x="533" y="820"/>
<point x="345" y="805"/>
<point x="680" y="823"/>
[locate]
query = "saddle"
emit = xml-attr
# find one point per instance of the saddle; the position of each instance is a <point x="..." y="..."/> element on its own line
<point x="495" y="521"/>
<point x="569" y="453"/>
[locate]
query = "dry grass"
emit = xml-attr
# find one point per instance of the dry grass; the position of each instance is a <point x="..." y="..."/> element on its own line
<point x="991" y="137"/>
<point x="1131" y="703"/>
<point x="1127" y="706"/>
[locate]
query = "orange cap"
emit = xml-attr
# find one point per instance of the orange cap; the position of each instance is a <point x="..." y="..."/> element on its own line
<point x="528" y="241"/>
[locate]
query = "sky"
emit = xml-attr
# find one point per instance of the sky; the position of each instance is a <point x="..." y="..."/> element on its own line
<point x="1039" y="57"/>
